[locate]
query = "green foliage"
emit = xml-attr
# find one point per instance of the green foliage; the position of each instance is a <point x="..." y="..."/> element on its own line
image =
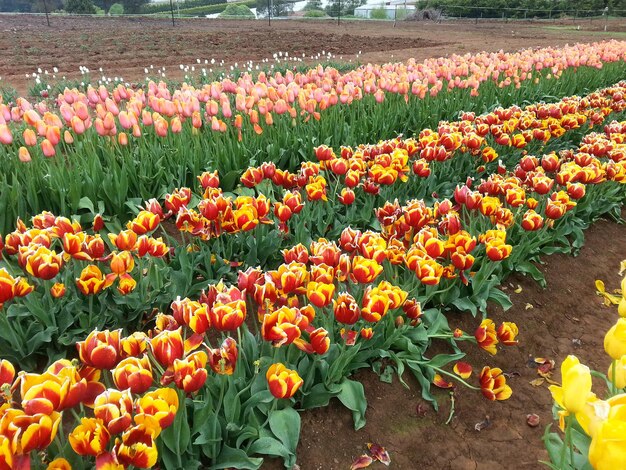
<point x="346" y="7"/>
<point x="133" y="6"/>
<point x="315" y="14"/>
<point x="278" y="7"/>
<point x="178" y="5"/>
<point x="313" y="5"/>
<point x="379" y="14"/>
<point x="240" y="11"/>
<point x="80" y="6"/>
<point x="210" y="9"/>
<point x="526" y="8"/>
<point x="116" y="9"/>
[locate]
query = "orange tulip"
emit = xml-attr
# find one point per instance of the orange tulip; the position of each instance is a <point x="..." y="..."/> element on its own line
<point x="190" y="374"/>
<point x="282" y="326"/>
<point x="507" y="333"/>
<point x="59" y="464"/>
<point x="320" y="342"/>
<point x="493" y="384"/>
<point x="101" y="349"/>
<point x="137" y="447"/>
<point x="24" y="155"/>
<point x="43" y="263"/>
<point x="168" y="346"/>
<point x="91" y="280"/>
<point x="283" y="382"/>
<point x="133" y="373"/>
<point x="497" y="250"/>
<point x="90" y="437"/>
<point x="346" y="309"/>
<point x="7" y="372"/>
<point x="144" y="222"/>
<point x="486" y="336"/>
<point x="376" y="304"/>
<point x="122" y="263"/>
<point x="320" y="294"/>
<point x="224" y="360"/>
<point x="113" y="408"/>
<point x="157" y="408"/>
<point x="27" y="433"/>
<point x="365" y="270"/>
<point x="125" y="240"/>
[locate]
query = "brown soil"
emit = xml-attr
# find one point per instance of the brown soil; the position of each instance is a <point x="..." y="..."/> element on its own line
<point x="566" y="318"/>
<point x="124" y="46"/>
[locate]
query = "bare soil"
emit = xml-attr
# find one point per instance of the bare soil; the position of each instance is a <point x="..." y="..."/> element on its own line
<point x="125" y="46"/>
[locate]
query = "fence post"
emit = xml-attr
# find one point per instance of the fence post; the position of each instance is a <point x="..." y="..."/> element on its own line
<point x="45" y="8"/>
<point x="339" y="13"/>
<point x="269" y="13"/>
<point x="395" y="16"/>
<point x="172" y="11"/>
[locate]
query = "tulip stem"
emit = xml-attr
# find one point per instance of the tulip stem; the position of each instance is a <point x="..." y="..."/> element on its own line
<point x="441" y="371"/>
<point x="451" y="408"/>
<point x="613" y="377"/>
<point x="90" y="327"/>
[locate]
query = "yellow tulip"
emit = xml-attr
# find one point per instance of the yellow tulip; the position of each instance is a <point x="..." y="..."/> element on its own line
<point x="615" y="340"/>
<point x="593" y="414"/>
<point x="576" y="386"/>
<point x="621" y="308"/>
<point x="620" y="372"/>
<point x="608" y="446"/>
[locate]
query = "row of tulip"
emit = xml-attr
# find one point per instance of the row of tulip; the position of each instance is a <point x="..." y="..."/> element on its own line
<point x="323" y="313"/>
<point x="593" y="427"/>
<point x="168" y="393"/>
<point x="130" y="143"/>
<point x="442" y="254"/>
<point x="223" y="229"/>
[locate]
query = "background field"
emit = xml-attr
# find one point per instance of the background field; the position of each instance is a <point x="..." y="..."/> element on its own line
<point x="124" y="46"/>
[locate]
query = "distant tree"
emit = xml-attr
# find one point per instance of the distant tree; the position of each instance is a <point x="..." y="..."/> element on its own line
<point x="39" y="7"/>
<point x="116" y="9"/>
<point x="347" y="7"/>
<point x="15" y="5"/>
<point x="133" y="6"/>
<point x="80" y="6"/>
<point x="313" y="5"/>
<point x="278" y="7"/>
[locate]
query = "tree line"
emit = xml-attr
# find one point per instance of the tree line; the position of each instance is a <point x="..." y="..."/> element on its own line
<point x="525" y="8"/>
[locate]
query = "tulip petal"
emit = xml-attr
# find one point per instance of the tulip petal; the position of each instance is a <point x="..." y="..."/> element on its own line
<point x="440" y="382"/>
<point x="361" y="462"/>
<point x="379" y="453"/>
<point x="463" y="369"/>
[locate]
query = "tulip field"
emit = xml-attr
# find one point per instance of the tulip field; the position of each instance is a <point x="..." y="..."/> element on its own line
<point x="188" y="269"/>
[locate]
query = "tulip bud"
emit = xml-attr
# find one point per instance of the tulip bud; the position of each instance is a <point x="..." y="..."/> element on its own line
<point x="615" y="340"/>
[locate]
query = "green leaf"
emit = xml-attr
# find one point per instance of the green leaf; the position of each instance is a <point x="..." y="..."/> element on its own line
<point x="352" y="395"/>
<point x="317" y="397"/>
<point x="236" y="458"/>
<point x="465" y="304"/>
<point x="285" y="424"/>
<point x="269" y="446"/>
<point x="441" y="360"/>
<point x="499" y="297"/>
<point x="86" y="203"/>
<point x="532" y="270"/>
